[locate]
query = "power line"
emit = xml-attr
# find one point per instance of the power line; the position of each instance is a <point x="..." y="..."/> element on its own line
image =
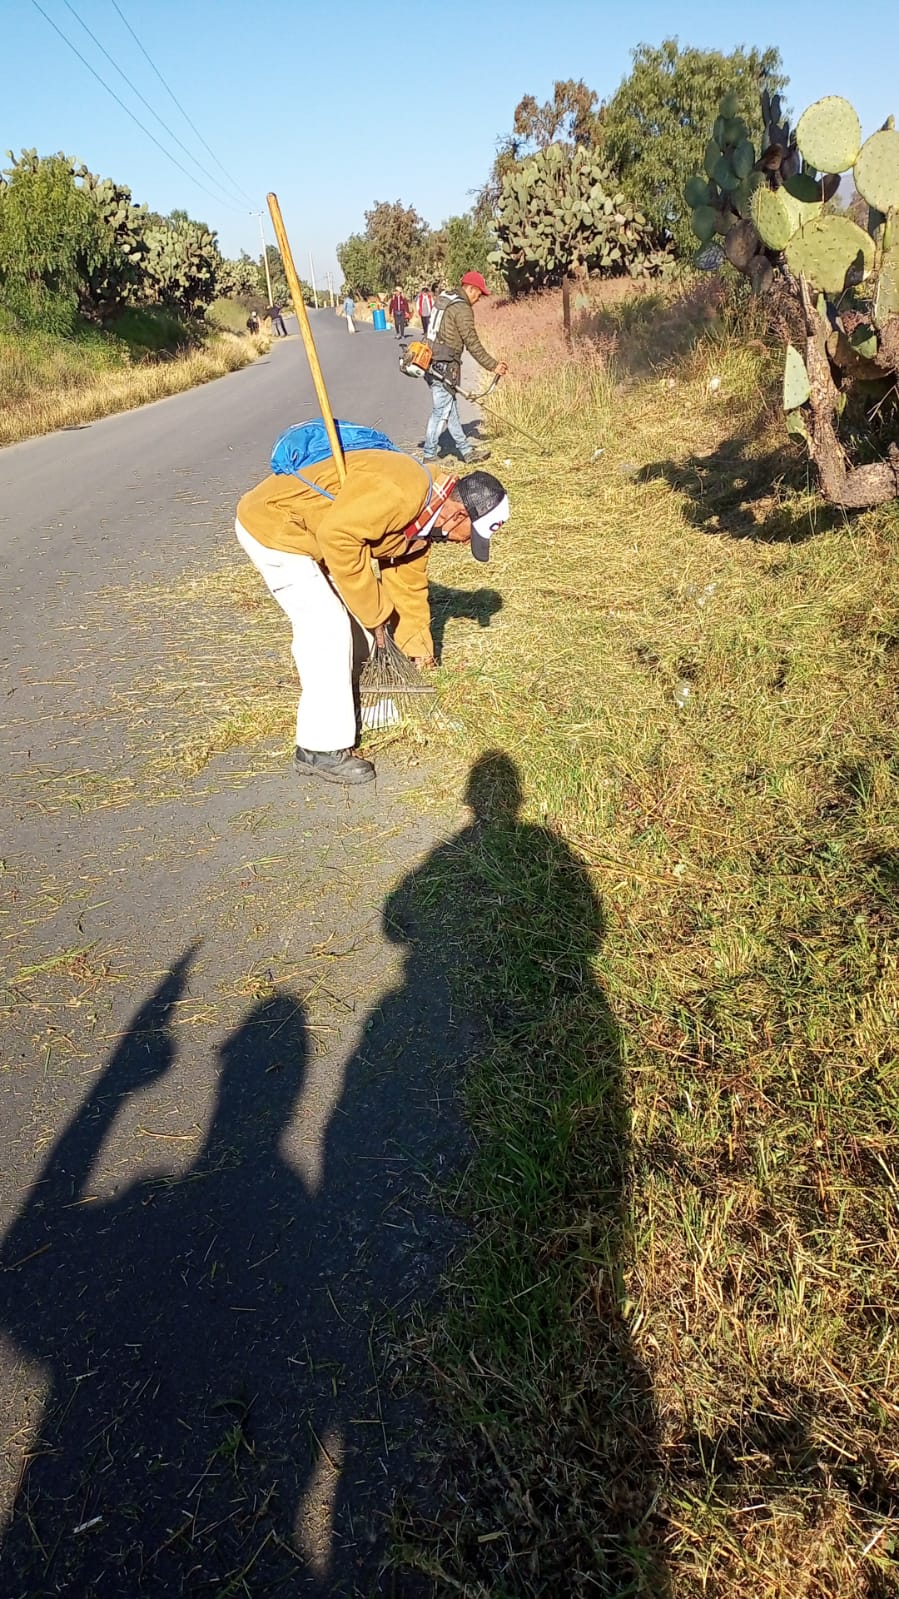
<point x="135" y="90"/>
<point x="171" y="93"/>
<point x="128" y="112"/>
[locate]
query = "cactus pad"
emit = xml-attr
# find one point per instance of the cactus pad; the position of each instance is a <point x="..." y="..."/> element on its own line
<point x="724" y="174"/>
<point x="742" y="197"/>
<point x="705" y="221"/>
<point x="796" y="425"/>
<point x="886" y="303"/>
<point x="802" y="197"/>
<point x="863" y="340"/>
<point x="797" y="388"/>
<point x="743" y="158"/>
<point x="772" y="219"/>
<point x="877" y="170"/>
<point x="735" y="131"/>
<point x="696" y="191"/>
<point x="741" y="243"/>
<point x="829" y="134"/>
<point x="832" y="253"/>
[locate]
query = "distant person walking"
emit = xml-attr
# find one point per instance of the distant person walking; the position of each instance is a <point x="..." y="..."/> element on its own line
<point x="399" y="310"/>
<point x="452" y="331"/>
<point x="349" y="311"/>
<point x="253" y="323"/>
<point x="424" y="306"/>
<point x="273" y="313"/>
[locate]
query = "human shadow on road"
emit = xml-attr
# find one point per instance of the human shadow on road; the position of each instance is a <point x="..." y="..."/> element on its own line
<point x="218" y="1412"/>
<point x="558" y="1462"/>
<point x="477" y="605"/>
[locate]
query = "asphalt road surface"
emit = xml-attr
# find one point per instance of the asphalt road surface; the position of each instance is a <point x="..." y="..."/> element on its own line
<point x="226" y="1089"/>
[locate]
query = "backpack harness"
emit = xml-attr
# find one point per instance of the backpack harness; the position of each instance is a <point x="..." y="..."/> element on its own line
<point x="307" y="444"/>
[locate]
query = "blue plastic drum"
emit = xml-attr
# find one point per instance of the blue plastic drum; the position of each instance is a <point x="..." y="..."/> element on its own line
<point x="379" y="318"/>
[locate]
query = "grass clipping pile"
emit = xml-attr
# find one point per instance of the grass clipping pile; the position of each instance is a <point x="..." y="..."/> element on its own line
<point x="670" y="1356"/>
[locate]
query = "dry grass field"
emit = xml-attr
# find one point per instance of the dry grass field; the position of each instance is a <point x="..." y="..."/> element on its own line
<point x="671" y="1353"/>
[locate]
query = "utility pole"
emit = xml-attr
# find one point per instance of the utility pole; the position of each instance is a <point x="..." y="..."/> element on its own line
<point x="331" y="289"/>
<point x="312" y="276"/>
<point x="268" y="276"/>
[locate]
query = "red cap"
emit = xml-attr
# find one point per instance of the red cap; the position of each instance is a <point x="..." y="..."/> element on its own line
<point x="475" y="281"/>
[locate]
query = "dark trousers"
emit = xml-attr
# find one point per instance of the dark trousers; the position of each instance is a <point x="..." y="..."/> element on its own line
<point x="424" y="326"/>
<point x="399" y="323"/>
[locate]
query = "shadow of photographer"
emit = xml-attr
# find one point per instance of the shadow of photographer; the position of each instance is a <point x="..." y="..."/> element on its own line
<point x="561" y="1470"/>
<point x="214" y="1341"/>
<point x="226" y="1403"/>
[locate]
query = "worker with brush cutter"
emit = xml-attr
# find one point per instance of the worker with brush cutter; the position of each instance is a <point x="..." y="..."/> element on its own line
<point x="314" y="540"/>
<point x="451" y="331"/>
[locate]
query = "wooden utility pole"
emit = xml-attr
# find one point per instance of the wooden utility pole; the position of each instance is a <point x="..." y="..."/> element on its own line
<point x="268" y="276"/>
<point x="299" y="305"/>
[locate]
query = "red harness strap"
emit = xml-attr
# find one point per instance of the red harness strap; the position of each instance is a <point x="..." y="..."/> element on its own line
<point x="436" y="498"/>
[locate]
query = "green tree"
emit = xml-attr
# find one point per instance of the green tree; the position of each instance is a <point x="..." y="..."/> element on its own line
<point x="52" y="238"/>
<point x="358" y="264"/>
<point x="657" y="123"/>
<point x="572" y="117"/>
<point x="468" y="246"/>
<point x="280" y="291"/>
<point x="395" y="235"/>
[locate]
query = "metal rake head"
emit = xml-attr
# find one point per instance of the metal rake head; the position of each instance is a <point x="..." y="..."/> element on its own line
<point x="391" y="690"/>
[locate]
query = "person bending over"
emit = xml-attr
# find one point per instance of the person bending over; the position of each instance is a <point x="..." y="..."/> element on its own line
<point x="314" y="540"/>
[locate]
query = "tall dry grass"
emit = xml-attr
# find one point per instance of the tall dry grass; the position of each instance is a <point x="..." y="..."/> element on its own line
<point x="48" y="383"/>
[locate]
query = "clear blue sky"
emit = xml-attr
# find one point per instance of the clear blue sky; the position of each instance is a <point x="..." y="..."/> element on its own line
<point x="338" y="114"/>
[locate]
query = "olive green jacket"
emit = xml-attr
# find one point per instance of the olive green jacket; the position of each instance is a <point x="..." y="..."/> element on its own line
<point x="455" y="331"/>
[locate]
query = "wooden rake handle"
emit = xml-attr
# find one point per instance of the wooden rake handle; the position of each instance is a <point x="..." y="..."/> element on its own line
<point x="299" y="305"/>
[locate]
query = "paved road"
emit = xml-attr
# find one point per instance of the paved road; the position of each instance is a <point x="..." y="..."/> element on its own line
<point x="224" y="1091"/>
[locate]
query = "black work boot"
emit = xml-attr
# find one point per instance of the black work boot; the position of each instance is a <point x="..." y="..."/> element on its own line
<point x="335" y="766"/>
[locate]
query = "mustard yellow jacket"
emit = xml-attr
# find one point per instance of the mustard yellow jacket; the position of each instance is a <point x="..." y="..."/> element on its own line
<point x="384" y="491"/>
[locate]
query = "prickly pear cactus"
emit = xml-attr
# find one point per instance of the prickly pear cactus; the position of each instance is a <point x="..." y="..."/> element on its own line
<point x="771" y="214"/>
<point x="183" y="265"/>
<point x="559" y="213"/>
<point x="120" y="279"/>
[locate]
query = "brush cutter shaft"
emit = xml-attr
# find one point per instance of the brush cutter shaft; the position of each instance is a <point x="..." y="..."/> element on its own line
<point x="478" y="399"/>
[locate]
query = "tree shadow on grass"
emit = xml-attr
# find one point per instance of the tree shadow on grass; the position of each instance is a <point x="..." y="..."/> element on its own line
<point x="740" y="494"/>
<point x="477" y="605"/>
<point x="559" y="1471"/>
<point x="648" y="331"/>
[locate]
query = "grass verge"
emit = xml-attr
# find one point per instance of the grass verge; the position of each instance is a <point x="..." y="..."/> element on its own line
<point x="48" y="382"/>
<point x="670" y="1354"/>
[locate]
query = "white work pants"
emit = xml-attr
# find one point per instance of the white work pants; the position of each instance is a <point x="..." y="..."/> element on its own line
<point x="322" y="643"/>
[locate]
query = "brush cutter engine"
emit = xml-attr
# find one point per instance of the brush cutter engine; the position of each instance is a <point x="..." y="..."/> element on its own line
<point x="416" y="360"/>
